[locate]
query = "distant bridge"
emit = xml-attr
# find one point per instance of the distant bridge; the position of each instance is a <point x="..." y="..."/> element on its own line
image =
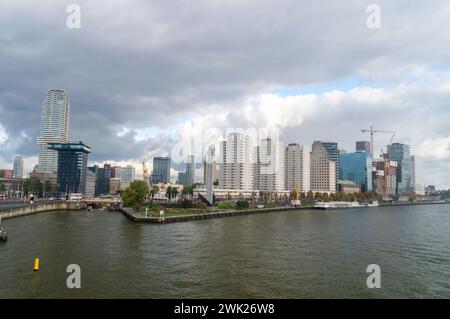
<point x="100" y="201"/>
<point x="109" y="203"/>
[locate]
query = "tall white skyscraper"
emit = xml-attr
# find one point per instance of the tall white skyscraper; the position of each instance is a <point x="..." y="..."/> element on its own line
<point x="210" y="163"/>
<point x="269" y="168"/>
<point x="323" y="170"/>
<point x="236" y="162"/>
<point x="297" y="168"/>
<point x="18" y="167"/>
<point x="190" y="170"/>
<point x="54" y="128"/>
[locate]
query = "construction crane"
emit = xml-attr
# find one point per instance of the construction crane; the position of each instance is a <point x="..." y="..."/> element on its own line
<point x="146" y="176"/>
<point x="372" y="131"/>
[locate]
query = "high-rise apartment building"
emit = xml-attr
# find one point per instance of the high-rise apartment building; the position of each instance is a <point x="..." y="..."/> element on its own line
<point x="323" y="169"/>
<point x="333" y="154"/>
<point x="187" y="178"/>
<point x="269" y="173"/>
<point x="72" y="166"/>
<point x="54" y="128"/>
<point x="161" y="170"/>
<point x="236" y="162"/>
<point x="413" y="186"/>
<point x="18" y="167"/>
<point x="190" y="170"/>
<point x="297" y="168"/>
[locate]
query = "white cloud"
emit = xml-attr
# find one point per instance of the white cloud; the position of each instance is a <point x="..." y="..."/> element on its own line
<point x="438" y="148"/>
<point x="417" y="111"/>
<point x="3" y="135"/>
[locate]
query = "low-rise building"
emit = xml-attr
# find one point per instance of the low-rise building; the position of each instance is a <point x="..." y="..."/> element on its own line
<point x="224" y="195"/>
<point x="349" y="187"/>
<point x="45" y="177"/>
<point x="162" y="194"/>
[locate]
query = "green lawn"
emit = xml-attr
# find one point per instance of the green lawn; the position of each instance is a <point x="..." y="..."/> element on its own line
<point x="174" y="212"/>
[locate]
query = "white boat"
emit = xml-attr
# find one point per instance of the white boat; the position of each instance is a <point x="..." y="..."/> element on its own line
<point x="344" y="205"/>
<point x="373" y="204"/>
<point x="337" y="205"/>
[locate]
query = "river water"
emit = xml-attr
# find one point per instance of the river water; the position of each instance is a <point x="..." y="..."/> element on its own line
<point x="300" y="254"/>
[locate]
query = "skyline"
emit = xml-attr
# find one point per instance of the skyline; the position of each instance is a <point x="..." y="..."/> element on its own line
<point x="257" y="144"/>
<point x="193" y="141"/>
<point x="170" y="74"/>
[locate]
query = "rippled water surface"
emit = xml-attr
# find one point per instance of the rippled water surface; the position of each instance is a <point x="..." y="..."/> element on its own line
<point x="302" y="254"/>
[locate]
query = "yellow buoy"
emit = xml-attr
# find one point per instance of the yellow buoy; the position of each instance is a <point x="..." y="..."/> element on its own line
<point x="36" y="264"/>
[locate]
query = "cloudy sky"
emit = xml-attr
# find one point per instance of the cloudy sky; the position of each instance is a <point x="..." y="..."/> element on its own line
<point x="143" y="74"/>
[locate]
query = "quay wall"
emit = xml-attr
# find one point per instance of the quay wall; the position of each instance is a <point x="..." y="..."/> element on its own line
<point x="39" y="208"/>
<point x="137" y="217"/>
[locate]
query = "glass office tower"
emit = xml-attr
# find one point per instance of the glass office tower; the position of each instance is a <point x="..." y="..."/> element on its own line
<point x="356" y="167"/>
<point x="161" y="170"/>
<point x="401" y="154"/>
<point x="72" y="166"/>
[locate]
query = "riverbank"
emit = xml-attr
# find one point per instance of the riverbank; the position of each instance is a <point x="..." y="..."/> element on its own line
<point x="416" y="203"/>
<point x="13" y="212"/>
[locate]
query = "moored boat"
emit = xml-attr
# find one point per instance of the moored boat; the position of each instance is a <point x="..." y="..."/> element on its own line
<point x="3" y="233"/>
<point x="337" y="205"/>
<point x="344" y="205"/>
<point x="373" y="204"/>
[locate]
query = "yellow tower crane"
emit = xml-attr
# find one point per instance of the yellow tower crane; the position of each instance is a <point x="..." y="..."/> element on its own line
<point x="372" y="131"/>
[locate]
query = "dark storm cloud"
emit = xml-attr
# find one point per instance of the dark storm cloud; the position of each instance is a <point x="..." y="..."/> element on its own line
<point x="139" y="64"/>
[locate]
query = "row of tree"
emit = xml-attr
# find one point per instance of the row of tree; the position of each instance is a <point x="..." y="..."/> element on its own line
<point x="33" y="185"/>
<point x="136" y="194"/>
<point x="309" y="196"/>
<point x="339" y="196"/>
